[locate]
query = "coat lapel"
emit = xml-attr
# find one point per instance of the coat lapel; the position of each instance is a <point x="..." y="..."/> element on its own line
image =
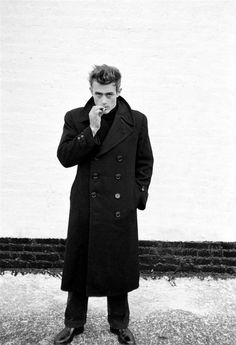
<point x="121" y="128"/>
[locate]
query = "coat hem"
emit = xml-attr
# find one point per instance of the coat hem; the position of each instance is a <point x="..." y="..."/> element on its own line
<point x="92" y="293"/>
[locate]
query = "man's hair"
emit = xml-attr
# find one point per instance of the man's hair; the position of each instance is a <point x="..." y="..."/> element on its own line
<point x="105" y="74"/>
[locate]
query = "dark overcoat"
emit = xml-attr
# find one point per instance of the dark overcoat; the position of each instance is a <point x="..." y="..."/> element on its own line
<point x="112" y="180"/>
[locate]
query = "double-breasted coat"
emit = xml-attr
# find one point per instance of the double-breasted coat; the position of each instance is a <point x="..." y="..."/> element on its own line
<point x="112" y="180"/>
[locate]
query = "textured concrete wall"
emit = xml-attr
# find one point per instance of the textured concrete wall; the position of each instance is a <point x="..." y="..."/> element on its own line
<point x="178" y="64"/>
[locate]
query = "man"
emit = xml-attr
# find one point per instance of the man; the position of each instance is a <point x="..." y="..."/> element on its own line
<point x="109" y="143"/>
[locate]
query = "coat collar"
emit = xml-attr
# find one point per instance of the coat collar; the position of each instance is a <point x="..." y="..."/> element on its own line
<point x="122" y="126"/>
<point x="124" y="110"/>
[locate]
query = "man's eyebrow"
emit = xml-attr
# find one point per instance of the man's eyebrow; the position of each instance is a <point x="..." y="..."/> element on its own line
<point x="106" y="93"/>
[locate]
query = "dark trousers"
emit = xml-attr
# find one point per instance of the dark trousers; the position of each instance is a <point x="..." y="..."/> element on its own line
<point x="76" y="310"/>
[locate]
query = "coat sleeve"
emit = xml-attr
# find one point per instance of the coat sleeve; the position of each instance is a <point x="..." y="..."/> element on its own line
<point x="144" y="165"/>
<point x="74" y="146"/>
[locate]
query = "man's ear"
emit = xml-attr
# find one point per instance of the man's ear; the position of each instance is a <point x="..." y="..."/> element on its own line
<point x="91" y="90"/>
<point x="119" y="92"/>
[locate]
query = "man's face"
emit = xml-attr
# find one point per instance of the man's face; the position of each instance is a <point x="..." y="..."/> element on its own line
<point x="105" y="95"/>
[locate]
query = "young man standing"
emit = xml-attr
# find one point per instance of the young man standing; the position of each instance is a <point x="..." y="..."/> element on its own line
<point x="109" y="144"/>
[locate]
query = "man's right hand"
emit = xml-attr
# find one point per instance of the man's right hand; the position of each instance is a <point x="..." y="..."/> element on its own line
<point x="95" y="115"/>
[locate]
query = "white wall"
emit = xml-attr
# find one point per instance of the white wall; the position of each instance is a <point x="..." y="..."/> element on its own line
<point x="178" y="64"/>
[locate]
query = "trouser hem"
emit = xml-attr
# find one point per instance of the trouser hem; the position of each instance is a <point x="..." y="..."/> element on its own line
<point x="74" y="324"/>
<point x="119" y="325"/>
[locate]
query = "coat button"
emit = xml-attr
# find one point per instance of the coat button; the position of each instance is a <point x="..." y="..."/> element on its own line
<point x="93" y="194"/>
<point x="143" y="189"/>
<point x="95" y="176"/>
<point x="118" y="176"/>
<point x="81" y="137"/>
<point x="117" y="195"/>
<point x="119" y="158"/>
<point x="117" y="214"/>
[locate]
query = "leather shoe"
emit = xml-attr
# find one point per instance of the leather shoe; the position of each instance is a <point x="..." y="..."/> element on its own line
<point x="125" y="336"/>
<point x="67" y="334"/>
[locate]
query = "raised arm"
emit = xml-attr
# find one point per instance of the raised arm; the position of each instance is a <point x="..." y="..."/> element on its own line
<point x="74" y="145"/>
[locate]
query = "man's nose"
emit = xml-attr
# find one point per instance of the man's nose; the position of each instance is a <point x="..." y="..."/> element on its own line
<point x="104" y="100"/>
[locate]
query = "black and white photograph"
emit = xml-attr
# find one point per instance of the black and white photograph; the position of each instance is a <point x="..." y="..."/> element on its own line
<point x="118" y="172"/>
